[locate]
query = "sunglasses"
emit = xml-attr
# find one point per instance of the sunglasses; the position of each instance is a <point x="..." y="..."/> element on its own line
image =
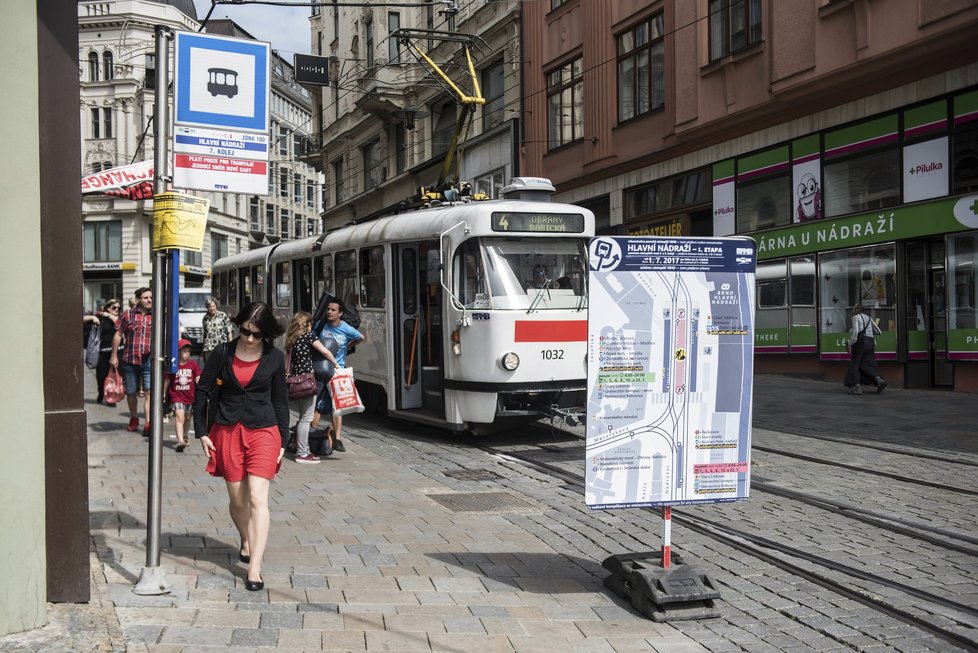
<point x="114" y="307"/>
<point x="248" y="332"/>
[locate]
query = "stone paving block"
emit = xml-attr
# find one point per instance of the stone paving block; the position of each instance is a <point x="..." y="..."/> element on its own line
<point x="197" y="635"/>
<point x="322" y="621"/>
<point x="380" y="583"/>
<point x="146" y="633"/>
<point x="502" y="626"/>
<point x="162" y="616"/>
<point x="232" y="618"/>
<point x="309" y="580"/>
<point x="458" y="584"/>
<point x="454" y="643"/>
<point x="413" y="623"/>
<point x="299" y="639"/>
<point x="280" y="620"/>
<point x="592" y="646"/>
<point x="317" y="595"/>
<point x="362" y="621"/>
<point x="255" y="637"/>
<point x="379" y="640"/>
<point x="470" y="625"/>
<point x="527" y="644"/>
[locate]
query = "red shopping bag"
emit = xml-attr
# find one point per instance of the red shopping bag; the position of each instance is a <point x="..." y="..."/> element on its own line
<point x="343" y="392"/>
<point x="114" y="389"/>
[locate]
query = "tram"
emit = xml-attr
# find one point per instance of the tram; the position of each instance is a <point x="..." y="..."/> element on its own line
<point x="474" y="314"/>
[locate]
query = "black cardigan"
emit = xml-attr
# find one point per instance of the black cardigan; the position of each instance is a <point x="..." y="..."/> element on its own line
<point x="263" y="403"/>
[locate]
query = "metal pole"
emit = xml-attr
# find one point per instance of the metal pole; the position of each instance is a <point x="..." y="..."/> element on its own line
<point x="151" y="578"/>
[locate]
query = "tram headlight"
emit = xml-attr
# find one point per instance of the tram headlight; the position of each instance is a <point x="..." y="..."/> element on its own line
<point x="510" y="361"/>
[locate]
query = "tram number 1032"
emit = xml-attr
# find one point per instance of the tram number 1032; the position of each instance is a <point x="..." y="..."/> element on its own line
<point x="552" y="354"/>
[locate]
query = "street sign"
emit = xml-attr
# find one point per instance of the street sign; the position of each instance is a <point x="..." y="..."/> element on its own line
<point x="223" y="161"/>
<point x="221" y="82"/>
<point x="310" y="69"/>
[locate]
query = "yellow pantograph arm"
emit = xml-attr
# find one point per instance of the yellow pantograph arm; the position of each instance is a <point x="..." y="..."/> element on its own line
<point x="462" y="97"/>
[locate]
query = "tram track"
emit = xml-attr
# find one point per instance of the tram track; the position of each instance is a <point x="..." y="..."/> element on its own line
<point x="959" y="627"/>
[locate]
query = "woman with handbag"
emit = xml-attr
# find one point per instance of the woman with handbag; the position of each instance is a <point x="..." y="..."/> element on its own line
<point x="299" y="343"/>
<point x="241" y="416"/>
<point x="107" y="320"/>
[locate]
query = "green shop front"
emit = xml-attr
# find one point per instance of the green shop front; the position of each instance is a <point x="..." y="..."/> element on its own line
<point x="882" y="213"/>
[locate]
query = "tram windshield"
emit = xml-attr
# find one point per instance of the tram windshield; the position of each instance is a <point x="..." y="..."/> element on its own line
<point x="521" y="273"/>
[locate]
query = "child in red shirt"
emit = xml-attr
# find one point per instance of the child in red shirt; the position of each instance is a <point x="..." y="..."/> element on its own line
<point x="181" y="387"/>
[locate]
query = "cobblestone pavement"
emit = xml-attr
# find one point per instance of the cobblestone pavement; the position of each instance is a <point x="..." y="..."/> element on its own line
<point x="364" y="556"/>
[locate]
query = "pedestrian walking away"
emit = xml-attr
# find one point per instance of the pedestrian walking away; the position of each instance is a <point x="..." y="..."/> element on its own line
<point x="180" y="388"/>
<point x="247" y="440"/>
<point x="343" y="336"/>
<point x="135" y="327"/>
<point x="862" y="349"/>
<point x="299" y="344"/>
<point x="215" y="327"/>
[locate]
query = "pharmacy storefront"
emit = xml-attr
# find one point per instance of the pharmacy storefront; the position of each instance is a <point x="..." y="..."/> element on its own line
<point x="882" y="213"/>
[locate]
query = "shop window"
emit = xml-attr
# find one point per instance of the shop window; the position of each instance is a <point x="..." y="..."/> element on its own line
<point x="764" y="203"/>
<point x="103" y="241"/>
<point x="965" y="158"/>
<point x="801" y="293"/>
<point x="864" y="182"/>
<point x="373" y="289"/>
<point x="864" y="276"/>
<point x="667" y="195"/>
<point x="641" y="69"/>
<point x="565" y="103"/>
<point x="771" y="315"/>
<point x="734" y="25"/>
<point x="962" y="261"/>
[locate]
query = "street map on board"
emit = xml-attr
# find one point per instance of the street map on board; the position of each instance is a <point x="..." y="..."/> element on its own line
<point x="670" y="364"/>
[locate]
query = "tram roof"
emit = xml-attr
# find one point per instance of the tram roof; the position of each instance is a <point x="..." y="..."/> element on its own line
<point x="427" y="223"/>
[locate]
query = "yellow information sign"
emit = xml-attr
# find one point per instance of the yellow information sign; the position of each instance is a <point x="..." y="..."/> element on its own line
<point x="179" y="221"/>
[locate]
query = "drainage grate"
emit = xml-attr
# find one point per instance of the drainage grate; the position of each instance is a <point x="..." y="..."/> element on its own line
<point x="473" y="475"/>
<point x="483" y="502"/>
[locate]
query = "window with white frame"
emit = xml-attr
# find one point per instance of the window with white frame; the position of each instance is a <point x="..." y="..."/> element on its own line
<point x="96" y="123"/>
<point x="641" y="69"/>
<point x="565" y="103"/>
<point x="93" y="67"/>
<point x="254" y="213"/>
<point x="284" y="222"/>
<point x="734" y="25"/>
<point x="270" y="219"/>
<point x="490" y="184"/>
<point x="393" y="45"/>
<point x="283" y="182"/>
<point x="372" y="170"/>
<point x="219" y="246"/>
<point x="107" y="68"/>
<point x="102" y="241"/>
<point x="339" y="183"/>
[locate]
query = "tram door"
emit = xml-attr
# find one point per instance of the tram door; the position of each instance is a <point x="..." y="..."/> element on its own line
<point x="409" y="325"/>
<point x="927" y="365"/>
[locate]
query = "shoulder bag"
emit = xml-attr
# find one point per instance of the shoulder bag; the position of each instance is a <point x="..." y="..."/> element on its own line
<point x="300" y="385"/>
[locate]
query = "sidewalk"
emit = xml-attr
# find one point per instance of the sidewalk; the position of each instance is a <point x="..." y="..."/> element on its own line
<point x="360" y="558"/>
<point x="363" y="556"/>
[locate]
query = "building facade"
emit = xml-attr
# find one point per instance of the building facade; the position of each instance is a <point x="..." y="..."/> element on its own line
<point x="386" y="121"/>
<point x="842" y="135"/>
<point x="117" y="74"/>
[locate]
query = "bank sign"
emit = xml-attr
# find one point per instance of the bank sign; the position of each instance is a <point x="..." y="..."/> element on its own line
<point x="943" y="216"/>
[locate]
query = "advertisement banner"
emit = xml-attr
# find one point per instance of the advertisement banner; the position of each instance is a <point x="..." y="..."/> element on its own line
<point x="925" y="170"/>
<point x="806" y="177"/>
<point x="724" y="207"/>
<point x="133" y="182"/>
<point x="179" y="221"/>
<point x="670" y="368"/>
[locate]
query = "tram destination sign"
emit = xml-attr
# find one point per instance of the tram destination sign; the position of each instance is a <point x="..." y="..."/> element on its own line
<point x="572" y="223"/>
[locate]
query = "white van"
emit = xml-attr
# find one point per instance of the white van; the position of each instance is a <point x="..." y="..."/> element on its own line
<point x="193" y="308"/>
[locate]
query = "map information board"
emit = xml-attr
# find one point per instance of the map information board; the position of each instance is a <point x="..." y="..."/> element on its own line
<point x="670" y="367"/>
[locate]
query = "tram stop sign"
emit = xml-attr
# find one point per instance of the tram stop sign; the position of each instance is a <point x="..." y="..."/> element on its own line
<point x="310" y="69"/>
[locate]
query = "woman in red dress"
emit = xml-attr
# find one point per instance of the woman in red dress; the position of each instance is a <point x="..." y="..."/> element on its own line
<point x="246" y="442"/>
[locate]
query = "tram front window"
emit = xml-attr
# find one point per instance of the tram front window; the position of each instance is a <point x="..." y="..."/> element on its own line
<point x="548" y="273"/>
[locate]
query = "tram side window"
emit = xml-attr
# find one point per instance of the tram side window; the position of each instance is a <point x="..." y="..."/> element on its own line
<point x="303" y="285"/>
<point x="283" y="285"/>
<point x="372" y="291"/>
<point x="470" y="281"/>
<point x="222" y="287"/>
<point x="323" y="267"/>
<point x="346" y="277"/>
<point x="232" y="295"/>
<point x="246" y="295"/>
<point x="258" y="283"/>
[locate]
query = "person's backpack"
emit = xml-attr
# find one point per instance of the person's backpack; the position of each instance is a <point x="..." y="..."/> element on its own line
<point x="93" y="346"/>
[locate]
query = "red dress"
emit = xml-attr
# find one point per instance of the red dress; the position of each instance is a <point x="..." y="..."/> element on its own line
<point x="239" y="450"/>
